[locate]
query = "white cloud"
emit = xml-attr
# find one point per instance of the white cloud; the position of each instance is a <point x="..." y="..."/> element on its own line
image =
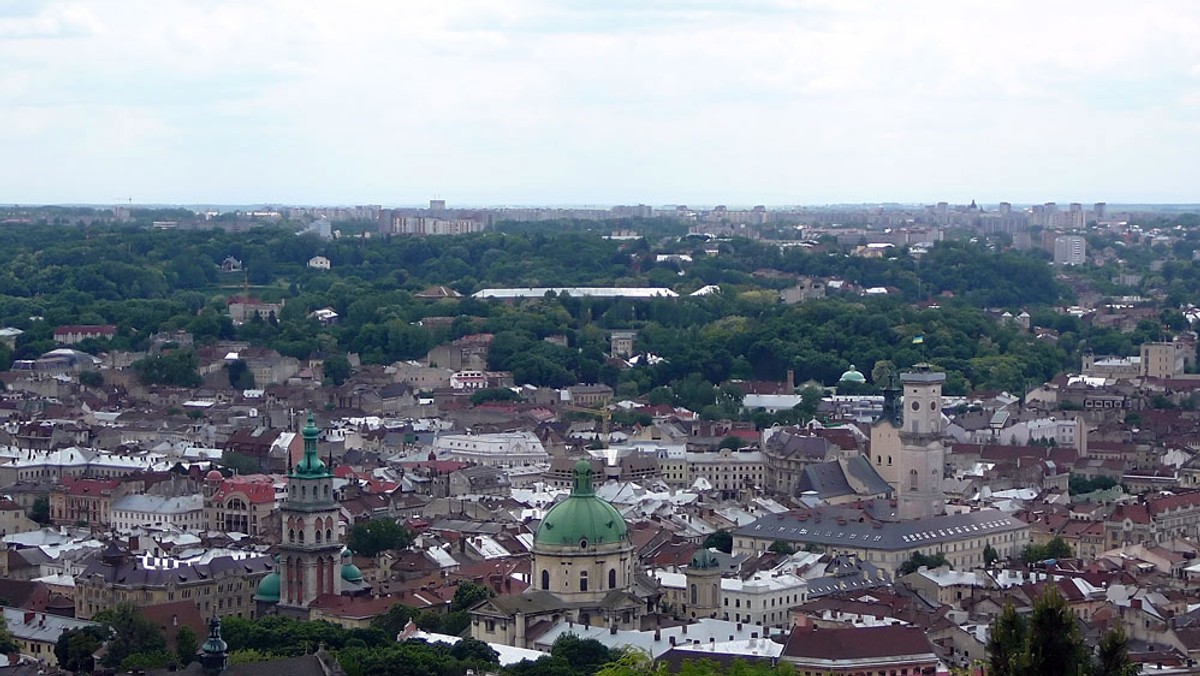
<point x="575" y="101"/>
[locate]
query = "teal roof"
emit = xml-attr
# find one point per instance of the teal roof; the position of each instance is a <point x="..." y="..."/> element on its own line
<point x="702" y="559"/>
<point x="582" y="519"/>
<point x="215" y="645"/>
<point x="853" y="376"/>
<point x="310" y="466"/>
<point x="269" y="586"/>
<point x="350" y="572"/>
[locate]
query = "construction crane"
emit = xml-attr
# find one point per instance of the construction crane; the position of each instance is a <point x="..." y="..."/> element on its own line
<point x="603" y="414"/>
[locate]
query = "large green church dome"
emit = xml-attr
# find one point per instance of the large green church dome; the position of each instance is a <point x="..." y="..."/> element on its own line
<point x="582" y="519"/>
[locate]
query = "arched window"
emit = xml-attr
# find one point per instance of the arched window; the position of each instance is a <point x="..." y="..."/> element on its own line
<point x="317" y="536"/>
<point x="301" y="535"/>
<point x="912" y="480"/>
<point x="545" y="579"/>
<point x="612" y="578"/>
<point x="326" y="490"/>
<point x="328" y="535"/>
<point x="583" y="581"/>
<point x="291" y="535"/>
<point x="889" y="461"/>
<point x="694" y="595"/>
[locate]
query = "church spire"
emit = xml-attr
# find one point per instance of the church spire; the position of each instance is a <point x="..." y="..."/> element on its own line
<point x="214" y="652"/>
<point x="310" y="465"/>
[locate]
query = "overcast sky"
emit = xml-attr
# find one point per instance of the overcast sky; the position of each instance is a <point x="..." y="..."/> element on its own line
<point x="599" y="101"/>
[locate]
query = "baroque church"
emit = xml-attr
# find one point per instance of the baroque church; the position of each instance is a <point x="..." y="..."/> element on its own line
<point x="585" y="570"/>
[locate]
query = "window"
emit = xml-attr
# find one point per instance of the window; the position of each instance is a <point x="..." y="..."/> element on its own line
<point x="545" y="579"/>
<point x="694" y="595"/>
<point x="583" y="581"/>
<point x="612" y="578"/>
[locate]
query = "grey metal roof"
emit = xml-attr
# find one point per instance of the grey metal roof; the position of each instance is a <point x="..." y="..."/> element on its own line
<point x="834" y="529"/>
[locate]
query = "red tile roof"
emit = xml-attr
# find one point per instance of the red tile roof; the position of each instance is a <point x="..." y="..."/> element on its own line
<point x="857" y="643"/>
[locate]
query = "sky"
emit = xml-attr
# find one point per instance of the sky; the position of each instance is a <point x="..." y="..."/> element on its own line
<point x="601" y="102"/>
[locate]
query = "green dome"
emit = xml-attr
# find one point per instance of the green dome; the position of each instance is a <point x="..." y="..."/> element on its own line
<point x="310" y="466"/>
<point x="268" y="587"/>
<point x="582" y="519"/>
<point x="350" y="572"/>
<point x="702" y="559"/>
<point x="853" y="376"/>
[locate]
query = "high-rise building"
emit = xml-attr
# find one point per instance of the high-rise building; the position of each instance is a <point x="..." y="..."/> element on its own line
<point x="1070" y="250"/>
<point x="1100" y="210"/>
<point x="1076" y="216"/>
<point x="922" y="453"/>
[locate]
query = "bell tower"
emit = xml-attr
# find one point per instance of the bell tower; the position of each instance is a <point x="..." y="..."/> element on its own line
<point x="309" y="552"/>
<point x="922" y="454"/>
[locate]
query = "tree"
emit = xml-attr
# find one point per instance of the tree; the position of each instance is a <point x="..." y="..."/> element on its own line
<point x="8" y="645"/>
<point x="990" y="555"/>
<point x="143" y="660"/>
<point x="586" y="655"/>
<point x="1054" y="643"/>
<point x="721" y="540"/>
<point x="337" y="369"/>
<point x="1113" y="655"/>
<point x="468" y="595"/>
<point x="919" y="560"/>
<point x="473" y="650"/>
<point x="40" y="512"/>
<point x="186" y="645"/>
<point x="394" y="620"/>
<point x="1006" y="644"/>
<point x="91" y="378"/>
<point x="240" y="376"/>
<point x="731" y="442"/>
<point x="1056" y="548"/>
<point x="493" y="394"/>
<point x="178" y="368"/>
<point x="75" y="648"/>
<point x="377" y="535"/>
<point x="782" y="547"/>
<point x="132" y="633"/>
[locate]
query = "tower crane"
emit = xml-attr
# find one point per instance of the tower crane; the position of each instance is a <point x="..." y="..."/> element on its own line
<point x="603" y="414"/>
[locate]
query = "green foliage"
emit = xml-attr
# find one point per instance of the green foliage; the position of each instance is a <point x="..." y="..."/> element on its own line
<point x="175" y="368"/>
<point x="40" y="511"/>
<point x="1006" y="647"/>
<point x="782" y="547"/>
<point x="1112" y="658"/>
<point x="1054" y="645"/>
<point x="242" y="464"/>
<point x="186" y="645"/>
<point x="468" y="594"/>
<point x="493" y="394"/>
<point x="919" y="559"/>
<point x="141" y="661"/>
<point x="732" y="443"/>
<point x="337" y="369"/>
<point x="249" y="655"/>
<point x="240" y="376"/>
<point x="990" y="555"/>
<point x="378" y="535"/>
<point x="75" y="648"/>
<point x="1056" y="548"/>
<point x="8" y="645"/>
<point x="721" y="540"/>
<point x="586" y="655"/>
<point x="394" y="620"/>
<point x="91" y="378"/>
<point x="1080" y="485"/>
<point x="132" y="634"/>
